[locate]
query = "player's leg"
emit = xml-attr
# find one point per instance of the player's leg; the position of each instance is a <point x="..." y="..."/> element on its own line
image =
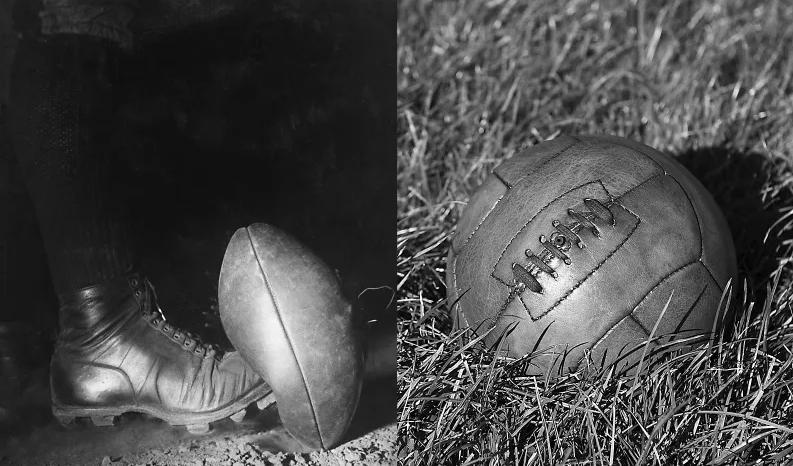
<point x="115" y="352"/>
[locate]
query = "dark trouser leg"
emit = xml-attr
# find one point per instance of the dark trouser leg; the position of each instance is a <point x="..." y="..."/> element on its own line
<point x="115" y="352"/>
<point x="61" y="120"/>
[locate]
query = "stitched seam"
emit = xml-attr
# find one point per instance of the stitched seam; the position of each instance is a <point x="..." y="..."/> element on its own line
<point x="512" y="240"/>
<point x="608" y="332"/>
<point x="283" y="327"/>
<point x="457" y="291"/>
<point x="146" y="379"/>
<point x="712" y="277"/>
<point x="553" y="157"/>
<point x="481" y="222"/>
<point x="561" y="151"/>
<point x="696" y="215"/>
<point x="641" y="151"/>
<point x="635" y="306"/>
<point x="641" y="325"/>
<point x="600" y="264"/>
<point x="652" y="177"/>
<point x="502" y="180"/>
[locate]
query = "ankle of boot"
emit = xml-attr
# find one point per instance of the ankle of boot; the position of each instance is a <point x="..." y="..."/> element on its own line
<point x="95" y="309"/>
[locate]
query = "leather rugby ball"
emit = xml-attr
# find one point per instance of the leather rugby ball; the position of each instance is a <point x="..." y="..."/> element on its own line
<point x="575" y="245"/>
<point x="282" y="308"/>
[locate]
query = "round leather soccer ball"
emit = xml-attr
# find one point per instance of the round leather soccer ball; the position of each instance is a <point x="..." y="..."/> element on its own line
<point x="582" y="241"/>
<point x="282" y="308"/>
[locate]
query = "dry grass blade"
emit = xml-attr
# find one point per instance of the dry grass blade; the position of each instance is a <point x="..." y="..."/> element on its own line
<point x="707" y="81"/>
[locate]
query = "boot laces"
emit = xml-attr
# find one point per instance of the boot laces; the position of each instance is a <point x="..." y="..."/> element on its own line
<point x="560" y="242"/>
<point x="153" y="314"/>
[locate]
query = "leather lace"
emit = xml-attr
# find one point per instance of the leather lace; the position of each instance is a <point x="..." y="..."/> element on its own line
<point x="155" y="317"/>
<point x="560" y="242"/>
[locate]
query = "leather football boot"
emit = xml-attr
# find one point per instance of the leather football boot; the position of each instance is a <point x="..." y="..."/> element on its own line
<point x="116" y="353"/>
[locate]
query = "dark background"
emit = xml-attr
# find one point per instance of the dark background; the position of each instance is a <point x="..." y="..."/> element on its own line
<point x="281" y="114"/>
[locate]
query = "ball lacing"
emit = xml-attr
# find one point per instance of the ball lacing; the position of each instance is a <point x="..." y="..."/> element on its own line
<point x="155" y="317"/>
<point x="560" y="242"/>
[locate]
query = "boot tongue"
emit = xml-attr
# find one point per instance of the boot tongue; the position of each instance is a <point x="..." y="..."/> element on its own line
<point x="154" y="315"/>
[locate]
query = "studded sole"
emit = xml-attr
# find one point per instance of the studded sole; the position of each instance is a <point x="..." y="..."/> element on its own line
<point x="196" y="424"/>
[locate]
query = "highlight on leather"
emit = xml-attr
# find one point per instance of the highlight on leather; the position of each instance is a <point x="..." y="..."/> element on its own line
<point x="282" y="307"/>
<point x="560" y="242"/>
<point x="574" y="246"/>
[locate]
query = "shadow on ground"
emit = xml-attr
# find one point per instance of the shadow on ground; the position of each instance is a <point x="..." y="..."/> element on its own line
<point x="31" y="436"/>
<point x="741" y="183"/>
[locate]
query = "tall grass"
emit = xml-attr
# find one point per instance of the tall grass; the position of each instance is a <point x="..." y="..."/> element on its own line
<point x="708" y="82"/>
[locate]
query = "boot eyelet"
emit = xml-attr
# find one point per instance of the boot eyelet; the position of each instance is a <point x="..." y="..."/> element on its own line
<point x="138" y="293"/>
<point x="133" y="281"/>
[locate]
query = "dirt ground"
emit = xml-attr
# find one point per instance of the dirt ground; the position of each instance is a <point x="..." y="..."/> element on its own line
<point x="255" y="441"/>
<point x="30" y="436"/>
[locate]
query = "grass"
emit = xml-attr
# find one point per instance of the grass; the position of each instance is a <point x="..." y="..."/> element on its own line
<point x="708" y="82"/>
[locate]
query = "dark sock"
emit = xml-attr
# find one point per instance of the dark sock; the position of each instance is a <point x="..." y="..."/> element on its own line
<point x="61" y="117"/>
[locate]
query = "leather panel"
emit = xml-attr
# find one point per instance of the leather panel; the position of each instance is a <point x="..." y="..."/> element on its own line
<point x="651" y="253"/>
<point x="718" y="247"/>
<point x="96" y="385"/>
<point x="283" y="309"/>
<point x="621" y="341"/>
<point x="527" y="161"/>
<point x="478" y="208"/>
<point x="553" y="176"/>
<point x="695" y="298"/>
<point x="584" y="261"/>
<point x="590" y="299"/>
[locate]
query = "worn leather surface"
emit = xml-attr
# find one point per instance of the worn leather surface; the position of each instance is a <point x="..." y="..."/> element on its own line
<point x="115" y="353"/>
<point x="283" y="309"/>
<point x="668" y="238"/>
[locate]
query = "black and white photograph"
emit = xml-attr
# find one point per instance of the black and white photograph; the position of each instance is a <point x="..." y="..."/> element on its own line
<point x="197" y="226"/>
<point x="594" y="232"/>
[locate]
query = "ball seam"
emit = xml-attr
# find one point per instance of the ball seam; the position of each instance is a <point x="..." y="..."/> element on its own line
<point x="286" y="333"/>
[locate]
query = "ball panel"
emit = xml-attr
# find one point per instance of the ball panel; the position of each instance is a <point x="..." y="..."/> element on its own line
<point x="452" y="295"/>
<point x="283" y="310"/>
<point x="524" y="200"/>
<point x="480" y="304"/>
<point x="695" y="299"/>
<point x="524" y="163"/>
<point x="664" y="240"/>
<point x="618" y="168"/>
<point x="620" y="341"/>
<point x="528" y="235"/>
<point x="563" y="330"/>
<point x="584" y="262"/>
<point x="478" y="208"/>
<point x="245" y="325"/>
<point x="718" y="249"/>
<point x="669" y="224"/>
<point x="582" y="306"/>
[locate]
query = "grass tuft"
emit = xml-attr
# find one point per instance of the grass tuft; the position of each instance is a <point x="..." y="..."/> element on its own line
<point x="708" y="82"/>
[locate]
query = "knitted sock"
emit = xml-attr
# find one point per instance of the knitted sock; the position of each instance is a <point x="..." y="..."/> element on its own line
<point x="61" y="114"/>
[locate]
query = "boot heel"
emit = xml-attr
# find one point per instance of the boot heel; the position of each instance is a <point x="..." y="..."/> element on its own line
<point x="102" y="421"/>
<point x="65" y="420"/>
<point x="198" y="428"/>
